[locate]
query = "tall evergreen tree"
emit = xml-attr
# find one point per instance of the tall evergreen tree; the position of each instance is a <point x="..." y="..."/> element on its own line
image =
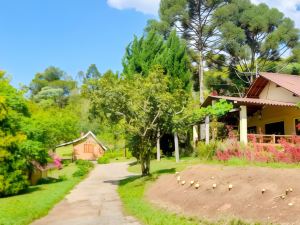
<point x="254" y="35"/>
<point x="142" y="54"/>
<point x="145" y="53"/>
<point x="193" y="20"/>
<point x="92" y="72"/>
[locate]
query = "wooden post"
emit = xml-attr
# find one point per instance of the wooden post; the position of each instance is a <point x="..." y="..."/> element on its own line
<point x="207" y="130"/>
<point x="158" y="145"/>
<point x="176" y="147"/>
<point x="274" y="139"/>
<point x="243" y="125"/>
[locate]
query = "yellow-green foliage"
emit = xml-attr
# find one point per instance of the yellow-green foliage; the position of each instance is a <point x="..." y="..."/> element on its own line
<point x="103" y="160"/>
<point x="65" y="152"/>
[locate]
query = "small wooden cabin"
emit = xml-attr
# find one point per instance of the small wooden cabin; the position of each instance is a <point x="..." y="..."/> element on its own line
<point x="87" y="147"/>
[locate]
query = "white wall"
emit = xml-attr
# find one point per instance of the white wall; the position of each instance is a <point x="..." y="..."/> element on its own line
<point x="272" y="92"/>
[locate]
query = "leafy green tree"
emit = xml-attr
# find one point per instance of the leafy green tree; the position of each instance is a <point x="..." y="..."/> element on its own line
<point x="51" y="126"/>
<point x="254" y="35"/>
<point x="170" y="54"/>
<point x="16" y="150"/>
<point x="144" y="105"/>
<point x="296" y="54"/>
<point x="92" y="72"/>
<point x="52" y="86"/>
<point x="139" y="103"/>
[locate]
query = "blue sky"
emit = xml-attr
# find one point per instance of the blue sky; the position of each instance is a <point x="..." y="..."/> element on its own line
<point x="72" y="34"/>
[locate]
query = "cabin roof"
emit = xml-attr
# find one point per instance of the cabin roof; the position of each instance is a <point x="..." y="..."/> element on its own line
<point x="90" y="133"/>
<point x="247" y="101"/>
<point x="41" y="167"/>
<point x="286" y="81"/>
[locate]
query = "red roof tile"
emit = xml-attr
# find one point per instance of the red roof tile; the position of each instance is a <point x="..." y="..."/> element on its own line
<point x="248" y="101"/>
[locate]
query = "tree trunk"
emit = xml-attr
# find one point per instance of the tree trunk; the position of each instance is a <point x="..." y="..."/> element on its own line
<point x="125" y="152"/>
<point x="201" y="77"/>
<point x="145" y="163"/>
<point x="176" y="147"/>
<point x="158" y="145"/>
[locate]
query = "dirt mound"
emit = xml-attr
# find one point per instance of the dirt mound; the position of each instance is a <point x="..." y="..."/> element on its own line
<point x="245" y="200"/>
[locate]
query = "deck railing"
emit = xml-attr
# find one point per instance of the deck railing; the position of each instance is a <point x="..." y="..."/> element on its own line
<point x="273" y="138"/>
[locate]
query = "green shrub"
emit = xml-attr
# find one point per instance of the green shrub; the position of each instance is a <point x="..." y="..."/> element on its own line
<point x="103" y="160"/>
<point x="66" y="162"/>
<point x="112" y="154"/>
<point x="12" y="183"/>
<point x="115" y="154"/>
<point x="82" y="171"/>
<point x="84" y="163"/>
<point x="62" y="177"/>
<point x="83" y="168"/>
<point x="206" y="152"/>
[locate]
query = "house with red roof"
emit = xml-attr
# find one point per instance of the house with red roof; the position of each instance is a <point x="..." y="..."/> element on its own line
<point x="268" y="110"/>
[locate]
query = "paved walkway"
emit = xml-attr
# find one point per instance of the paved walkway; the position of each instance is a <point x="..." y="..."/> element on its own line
<point x="94" y="201"/>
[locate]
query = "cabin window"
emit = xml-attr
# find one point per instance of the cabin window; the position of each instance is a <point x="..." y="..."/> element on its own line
<point x="297" y="125"/>
<point x="252" y="130"/>
<point x="275" y="128"/>
<point x="88" y="148"/>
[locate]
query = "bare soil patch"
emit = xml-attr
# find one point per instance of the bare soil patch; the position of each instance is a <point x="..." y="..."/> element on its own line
<point x="244" y="201"/>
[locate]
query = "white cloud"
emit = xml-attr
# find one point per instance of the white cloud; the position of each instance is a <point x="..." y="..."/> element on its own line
<point x="145" y="6"/>
<point x="288" y="7"/>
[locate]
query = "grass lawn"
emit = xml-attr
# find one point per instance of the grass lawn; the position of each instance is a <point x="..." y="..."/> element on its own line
<point x="166" y="164"/>
<point x="169" y="163"/>
<point x="131" y="191"/>
<point x="66" y="171"/>
<point x="38" y="200"/>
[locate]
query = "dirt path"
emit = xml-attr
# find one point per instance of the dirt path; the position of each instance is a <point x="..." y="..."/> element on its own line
<point x="94" y="201"/>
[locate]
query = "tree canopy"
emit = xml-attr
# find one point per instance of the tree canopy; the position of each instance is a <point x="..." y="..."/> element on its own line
<point x="151" y="50"/>
<point x="192" y="19"/>
<point x="237" y="35"/>
<point x="53" y="86"/>
<point x="254" y="35"/>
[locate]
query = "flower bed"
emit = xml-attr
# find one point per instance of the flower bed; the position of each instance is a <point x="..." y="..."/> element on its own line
<point x="285" y="152"/>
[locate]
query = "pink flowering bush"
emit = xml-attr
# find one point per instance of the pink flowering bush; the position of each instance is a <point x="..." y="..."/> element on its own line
<point x="57" y="161"/>
<point x="286" y="152"/>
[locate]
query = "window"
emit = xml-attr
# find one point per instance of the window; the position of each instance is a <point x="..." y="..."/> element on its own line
<point x="297" y="125"/>
<point x="275" y="128"/>
<point x="88" y="148"/>
<point x="252" y="130"/>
